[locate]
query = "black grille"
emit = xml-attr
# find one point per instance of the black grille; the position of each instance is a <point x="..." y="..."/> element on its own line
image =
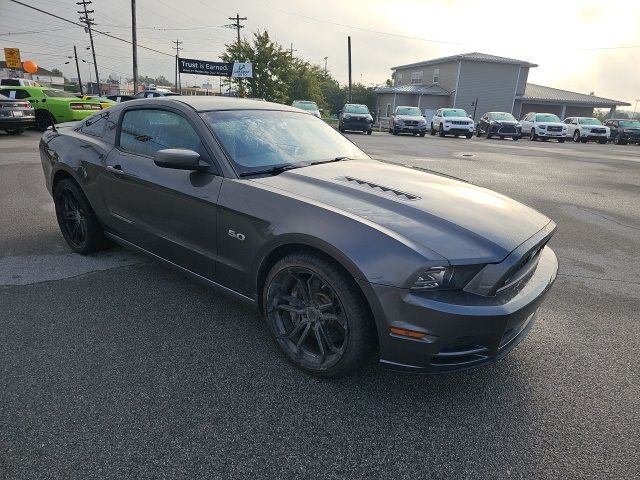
<point x="460" y="122"/>
<point x="508" y="129"/>
<point x="554" y="129"/>
<point x="411" y="122"/>
<point x="598" y="130"/>
<point x="381" y="188"/>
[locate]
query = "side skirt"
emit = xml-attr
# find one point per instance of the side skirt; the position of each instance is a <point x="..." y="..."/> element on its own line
<point x="198" y="278"/>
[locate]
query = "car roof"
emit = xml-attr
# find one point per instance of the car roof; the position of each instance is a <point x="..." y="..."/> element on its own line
<point x="207" y="103"/>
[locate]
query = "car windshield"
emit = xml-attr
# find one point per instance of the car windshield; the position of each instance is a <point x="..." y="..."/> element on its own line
<point x="629" y="123"/>
<point x="454" y="113"/>
<point x="308" y="106"/>
<point x="57" y="93"/>
<point x="259" y="139"/>
<point x="589" y="121"/>
<point x="356" y="109"/>
<point x="547" y="117"/>
<point x="502" y="116"/>
<point x="412" y="111"/>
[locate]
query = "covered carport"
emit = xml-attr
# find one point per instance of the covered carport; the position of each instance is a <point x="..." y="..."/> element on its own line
<point x="538" y="98"/>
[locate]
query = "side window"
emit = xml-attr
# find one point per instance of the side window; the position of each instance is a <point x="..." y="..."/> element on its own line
<point x="17" y="93"/>
<point x="436" y="75"/>
<point x="416" y="78"/>
<point x="146" y="131"/>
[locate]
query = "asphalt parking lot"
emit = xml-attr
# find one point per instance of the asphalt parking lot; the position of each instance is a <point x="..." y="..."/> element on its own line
<point x="114" y="367"/>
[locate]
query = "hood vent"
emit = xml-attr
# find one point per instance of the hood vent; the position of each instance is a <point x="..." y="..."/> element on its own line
<point x="380" y="188"/>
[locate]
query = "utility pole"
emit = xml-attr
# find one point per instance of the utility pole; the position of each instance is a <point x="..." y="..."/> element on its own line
<point x="84" y="18"/>
<point x="134" y="44"/>
<point x="291" y="50"/>
<point x="177" y="48"/>
<point x="325" y="66"/>
<point x="237" y="25"/>
<point x="349" y="55"/>
<point x="636" y="106"/>
<point x="75" y="54"/>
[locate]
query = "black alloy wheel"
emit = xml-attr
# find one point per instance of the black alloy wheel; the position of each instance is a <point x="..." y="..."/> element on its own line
<point x="78" y="222"/>
<point x="318" y="329"/>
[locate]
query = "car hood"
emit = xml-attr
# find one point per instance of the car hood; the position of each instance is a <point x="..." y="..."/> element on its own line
<point x="410" y="117"/>
<point x="505" y="122"/>
<point x="464" y="223"/>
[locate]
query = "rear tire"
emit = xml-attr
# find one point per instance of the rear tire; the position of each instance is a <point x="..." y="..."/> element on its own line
<point x="516" y="138"/>
<point x="78" y="222"/>
<point x="369" y="132"/>
<point x="43" y="120"/>
<point x="317" y="316"/>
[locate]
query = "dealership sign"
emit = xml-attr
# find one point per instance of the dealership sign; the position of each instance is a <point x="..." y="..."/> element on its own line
<point x="218" y="69"/>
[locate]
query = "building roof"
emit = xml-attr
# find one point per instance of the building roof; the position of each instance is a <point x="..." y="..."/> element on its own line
<point x="433" y="89"/>
<point x="472" y="57"/>
<point x="41" y="71"/>
<point x="539" y="93"/>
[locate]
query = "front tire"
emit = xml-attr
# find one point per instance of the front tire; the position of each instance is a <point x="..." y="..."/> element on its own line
<point x="441" y="131"/>
<point x="469" y="135"/>
<point x="317" y="315"/>
<point x="369" y="132"/>
<point x="576" y="136"/>
<point x="532" y="136"/>
<point x="78" y="222"/>
<point x="561" y="140"/>
<point x="432" y="131"/>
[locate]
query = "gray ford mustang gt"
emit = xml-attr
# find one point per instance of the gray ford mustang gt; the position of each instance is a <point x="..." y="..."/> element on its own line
<point x="346" y="257"/>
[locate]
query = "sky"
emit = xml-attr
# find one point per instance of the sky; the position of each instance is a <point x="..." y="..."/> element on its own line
<point x="584" y="46"/>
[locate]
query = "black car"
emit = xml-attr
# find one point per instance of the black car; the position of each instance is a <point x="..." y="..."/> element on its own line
<point x="624" y="131"/>
<point x="355" y="117"/>
<point x="407" y="120"/>
<point x="499" y="124"/>
<point x="16" y="115"/>
<point x="345" y="256"/>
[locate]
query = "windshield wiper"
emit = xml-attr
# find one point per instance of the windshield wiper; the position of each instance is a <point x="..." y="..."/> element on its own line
<point x="337" y="159"/>
<point x="274" y="170"/>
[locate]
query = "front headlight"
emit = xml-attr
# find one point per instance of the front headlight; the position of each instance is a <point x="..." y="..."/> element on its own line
<point x="447" y="121"/>
<point x="346" y="116"/>
<point x="453" y="277"/>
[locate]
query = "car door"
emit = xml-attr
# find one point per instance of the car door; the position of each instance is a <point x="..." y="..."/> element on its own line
<point x="169" y="212"/>
<point x="526" y="123"/>
<point x="435" y="121"/>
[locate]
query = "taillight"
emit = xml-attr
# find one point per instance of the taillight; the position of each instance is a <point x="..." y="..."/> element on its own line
<point x="85" y="106"/>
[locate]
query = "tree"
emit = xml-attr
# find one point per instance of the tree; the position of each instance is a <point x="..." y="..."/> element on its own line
<point x="271" y="66"/>
<point x="56" y="73"/>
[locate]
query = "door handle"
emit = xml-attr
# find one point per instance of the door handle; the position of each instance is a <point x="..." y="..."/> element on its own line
<point x="115" y="169"/>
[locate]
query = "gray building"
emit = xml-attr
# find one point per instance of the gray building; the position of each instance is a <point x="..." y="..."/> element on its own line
<point x="481" y="82"/>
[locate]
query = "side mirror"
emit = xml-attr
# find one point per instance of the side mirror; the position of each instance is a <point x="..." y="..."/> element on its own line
<point x="178" y="158"/>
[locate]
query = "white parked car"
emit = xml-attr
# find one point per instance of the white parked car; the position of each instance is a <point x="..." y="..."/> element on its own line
<point x="543" y="126"/>
<point x="453" y="121"/>
<point x="307" y="106"/>
<point x="583" y="129"/>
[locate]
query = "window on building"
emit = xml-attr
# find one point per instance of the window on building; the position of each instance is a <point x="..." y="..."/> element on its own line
<point x="398" y="78"/>
<point x="146" y="131"/>
<point x="416" y="77"/>
<point x="436" y="75"/>
<point x="388" y="114"/>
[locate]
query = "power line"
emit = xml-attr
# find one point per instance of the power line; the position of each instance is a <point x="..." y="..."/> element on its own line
<point x="106" y="34"/>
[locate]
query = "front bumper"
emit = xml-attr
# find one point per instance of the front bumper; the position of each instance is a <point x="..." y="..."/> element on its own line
<point x="630" y="137"/>
<point x="504" y="130"/>
<point x="548" y="134"/>
<point x="463" y="330"/>
<point x="362" y="125"/>
<point x="462" y="129"/>
<point x="410" y="128"/>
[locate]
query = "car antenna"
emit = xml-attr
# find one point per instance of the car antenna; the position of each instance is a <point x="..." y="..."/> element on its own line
<point x="53" y="124"/>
